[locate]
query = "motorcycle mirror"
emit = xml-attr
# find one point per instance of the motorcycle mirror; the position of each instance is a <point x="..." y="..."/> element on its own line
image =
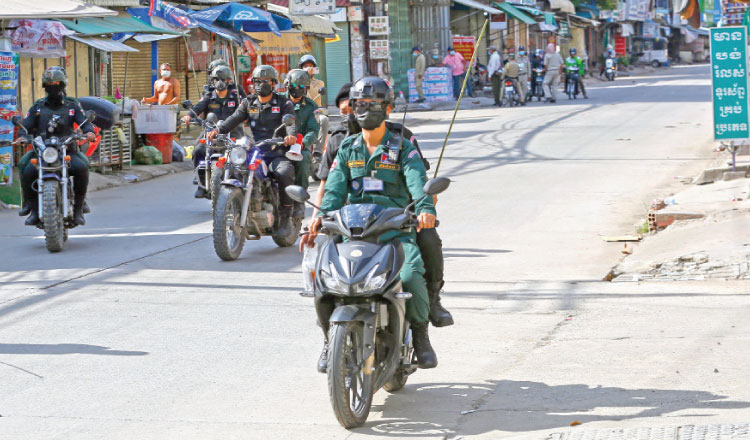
<point x="288" y="120"/>
<point x="297" y="193"/>
<point x="212" y="118"/>
<point x="187" y="105"/>
<point x="91" y="115"/>
<point x="16" y="120"/>
<point x="322" y="90"/>
<point x="437" y="185"/>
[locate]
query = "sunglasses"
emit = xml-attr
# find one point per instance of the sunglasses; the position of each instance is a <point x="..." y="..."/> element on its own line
<point x="363" y="106"/>
<point x="296" y="86"/>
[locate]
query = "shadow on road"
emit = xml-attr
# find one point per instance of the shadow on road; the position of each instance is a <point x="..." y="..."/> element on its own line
<point x="522" y="406"/>
<point x="65" y="349"/>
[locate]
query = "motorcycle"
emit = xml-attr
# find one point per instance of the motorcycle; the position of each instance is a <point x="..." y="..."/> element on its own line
<point x="247" y="206"/>
<point x="610" y="69"/>
<point x="538" y="83"/>
<point x="207" y="175"/>
<point x="356" y="277"/>
<point x="509" y="99"/>
<point x="54" y="185"/>
<point x="479" y="80"/>
<point x="571" y="81"/>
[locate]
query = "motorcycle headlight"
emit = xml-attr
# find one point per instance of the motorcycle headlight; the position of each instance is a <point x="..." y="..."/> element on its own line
<point x="331" y="280"/>
<point x="50" y="155"/>
<point x="238" y="156"/>
<point x="372" y="282"/>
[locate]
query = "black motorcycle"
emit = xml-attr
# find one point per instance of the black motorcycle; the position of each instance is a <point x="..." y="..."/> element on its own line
<point x="247" y="206"/>
<point x="357" y="278"/>
<point x="54" y="185"/>
<point x="537" y="84"/>
<point x="572" y="73"/>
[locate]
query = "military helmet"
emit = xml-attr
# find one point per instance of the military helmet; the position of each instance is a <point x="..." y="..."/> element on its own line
<point x="297" y="77"/>
<point x="223" y="73"/>
<point x="264" y="71"/>
<point x="54" y="74"/>
<point x="307" y="59"/>
<point x="371" y="87"/>
<point x="216" y="63"/>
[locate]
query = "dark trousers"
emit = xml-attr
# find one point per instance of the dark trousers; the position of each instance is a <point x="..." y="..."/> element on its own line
<point x="431" y="248"/>
<point x="458" y="82"/>
<point x="283" y="171"/>
<point x="496" y="88"/>
<point x="78" y="169"/>
<point x="199" y="154"/>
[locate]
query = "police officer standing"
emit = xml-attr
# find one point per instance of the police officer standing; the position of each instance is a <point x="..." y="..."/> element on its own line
<point x="377" y="166"/>
<point x="54" y="81"/>
<point x="222" y="101"/>
<point x="297" y="83"/>
<point x="525" y="72"/>
<point x="264" y="113"/>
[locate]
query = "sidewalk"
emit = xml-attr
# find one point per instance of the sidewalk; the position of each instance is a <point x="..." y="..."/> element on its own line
<point x="706" y="232"/>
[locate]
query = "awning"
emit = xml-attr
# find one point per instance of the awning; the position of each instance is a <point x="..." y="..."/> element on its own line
<point x="549" y="24"/>
<point x="112" y="25"/>
<point x="531" y="10"/>
<point x="585" y="21"/>
<point x="104" y="44"/>
<point x="480" y="6"/>
<point x="289" y="43"/>
<point x="114" y="3"/>
<point x="46" y="9"/>
<point x="514" y="12"/>
<point x="308" y="24"/>
<point x="563" y="6"/>
<point x="148" y="38"/>
<point x="285" y="3"/>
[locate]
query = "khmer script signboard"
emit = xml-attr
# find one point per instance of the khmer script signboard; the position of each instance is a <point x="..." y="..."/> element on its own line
<point x="729" y="83"/>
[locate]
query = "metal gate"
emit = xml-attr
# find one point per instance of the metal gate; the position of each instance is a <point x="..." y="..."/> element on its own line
<point x="338" y="62"/>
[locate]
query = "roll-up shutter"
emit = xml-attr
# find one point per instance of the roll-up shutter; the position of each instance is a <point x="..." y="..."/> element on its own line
<point x="139" y="71"/>
<point x="338" y="64"/>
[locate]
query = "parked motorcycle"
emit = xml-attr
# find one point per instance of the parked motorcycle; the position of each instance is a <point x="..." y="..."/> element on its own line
<point x="247" y="206"/>
<point x="356" y="277"/>
<point x="571" y="81"/>
<point x="537" y="86"/>
<point x="509" y="99"/>
<point x="479" y="80"/>
<point x="610" y="68"/>
<point x="54" y="185"/>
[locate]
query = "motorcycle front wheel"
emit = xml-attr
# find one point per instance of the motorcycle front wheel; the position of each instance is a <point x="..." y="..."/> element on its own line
<point x="229" y="234"/>
<point x="54" y="228"/>
<point x="215" y="188"/>
<point x="349" y="388"/>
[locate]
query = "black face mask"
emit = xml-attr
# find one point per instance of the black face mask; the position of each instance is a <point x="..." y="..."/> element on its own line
<point x="370" y="119"/>
<point x="220" y="85"/>
<point x="351" y="124"/>
<point x="54" y="93"/>
<point x="296" y="92"/>
<point x="264" y="90"/>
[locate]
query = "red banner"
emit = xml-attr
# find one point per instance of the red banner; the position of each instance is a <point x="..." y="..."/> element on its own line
<point x="464" y="46"/>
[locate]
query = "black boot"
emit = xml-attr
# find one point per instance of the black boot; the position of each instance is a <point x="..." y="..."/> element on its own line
<point x="299" y="210"/>
<point x="426" y="357"/>
<point x="86" y="208"/>
<point x="200" y="192"/>
<point x="285" y="225"/>
<point x="78" y="218"/>
<point x="323" y="359"/>
<point x="33" y="218"/>
<point x="439" y="316"/>
<point x="25" y="208"/>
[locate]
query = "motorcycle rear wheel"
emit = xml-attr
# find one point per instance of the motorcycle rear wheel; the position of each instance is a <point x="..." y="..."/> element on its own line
<point x="54" y="228"/>
<point x="292" y="237"/>
<point x="229" y="235"/>
<point x="396" y="382"/>
<point x="349" y="388"/>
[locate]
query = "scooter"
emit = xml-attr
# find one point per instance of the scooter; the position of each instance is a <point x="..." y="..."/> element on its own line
<point x="359" y="300"/>
<point x="610" y="69"/>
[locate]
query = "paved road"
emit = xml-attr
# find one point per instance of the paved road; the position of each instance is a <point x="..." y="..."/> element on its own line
<point x="137" y="330"/>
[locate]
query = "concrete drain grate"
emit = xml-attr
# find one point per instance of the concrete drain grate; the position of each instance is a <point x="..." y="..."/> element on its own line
<point x="687" y="432"/>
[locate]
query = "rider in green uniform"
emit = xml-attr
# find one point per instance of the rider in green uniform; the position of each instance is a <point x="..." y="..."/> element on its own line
<point x="378" y="167"/>
<point x="575" y="61"/>
<point x="298" y="82"/>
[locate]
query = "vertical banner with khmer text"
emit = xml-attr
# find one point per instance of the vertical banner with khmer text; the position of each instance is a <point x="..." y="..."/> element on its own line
<point x="729" y="83"/>
<point x="8" y="102"/>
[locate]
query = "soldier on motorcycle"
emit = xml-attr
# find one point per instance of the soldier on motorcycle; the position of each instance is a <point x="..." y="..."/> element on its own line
<point x="54" y="81"/>
<point x="512" y="72"/>
<point x="297" y="83"/>
<point x="575" y="61"/>
<point x="222" y="101"/>
<point x="264" y="113"/>
<point x="379" y="167"/>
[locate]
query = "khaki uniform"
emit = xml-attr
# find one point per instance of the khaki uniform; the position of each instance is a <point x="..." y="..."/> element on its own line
<point x="552" y="62"/>
<point x="524" y="75"/>
<point x="313" y="92"/>
<point x="512" y="71"/>
<point x="420" y="65"/>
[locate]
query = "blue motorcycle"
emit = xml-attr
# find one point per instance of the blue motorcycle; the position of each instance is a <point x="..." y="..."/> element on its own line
<point x="248" y="202"/>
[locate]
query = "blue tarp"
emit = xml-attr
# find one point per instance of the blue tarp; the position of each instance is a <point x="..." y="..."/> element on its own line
<point x="242" y="17"/>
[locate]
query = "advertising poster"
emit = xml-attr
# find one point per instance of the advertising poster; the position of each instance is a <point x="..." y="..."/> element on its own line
<point x="729" y="83"/>
<point x="464" y="46"/>
<point x="437" y="84"/>
<point x="8" y="94"/>
<point x="39" y="38"/>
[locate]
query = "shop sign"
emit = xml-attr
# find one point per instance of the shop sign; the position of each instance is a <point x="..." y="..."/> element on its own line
<point x="564" y="28"/>
<point x="355" y="13"/>
<point x="244" y="64"/>
<point x="39" y="38"/>
<point x="464" y="46"/>
<point x="498" y="22"/>
<point x="309" y="7"/>
<point x="8" y="94"/>
<point x="379" y="50"/>
<point x="729" y="83"/>
<point x="378" y="26"/>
